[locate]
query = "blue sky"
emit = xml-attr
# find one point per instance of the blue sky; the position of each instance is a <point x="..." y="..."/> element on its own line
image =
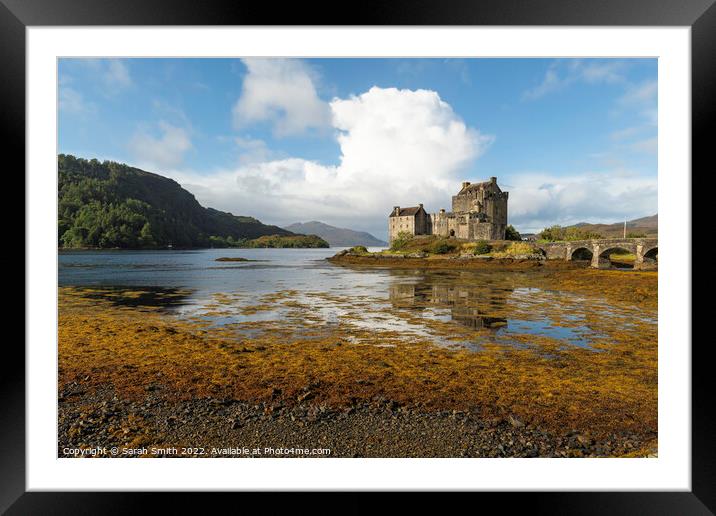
<point x="343" y="140"/>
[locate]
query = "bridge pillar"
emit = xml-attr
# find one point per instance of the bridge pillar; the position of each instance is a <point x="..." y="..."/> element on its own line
<point x="597" y="262"/>
<point x="639" y="261"/>
<point x="595" y="256"/>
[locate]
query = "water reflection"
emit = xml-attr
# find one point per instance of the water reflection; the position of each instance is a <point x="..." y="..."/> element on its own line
<point x="139" y="297"/>
<point x="464" y="303"/>
<point x="298" y="291"/>
<point x="493" y="306"/>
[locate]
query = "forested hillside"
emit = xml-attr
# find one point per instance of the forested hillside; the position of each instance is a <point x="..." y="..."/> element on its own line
<point x="110" y="205"/>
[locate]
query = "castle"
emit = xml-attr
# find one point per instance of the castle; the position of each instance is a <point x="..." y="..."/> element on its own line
<point x="479" y="212"/>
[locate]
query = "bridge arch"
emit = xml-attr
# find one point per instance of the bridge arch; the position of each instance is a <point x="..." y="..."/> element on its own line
<point x="582" y="253"/>
<point x="649" y="258"/>
<point x="617" y="257"/>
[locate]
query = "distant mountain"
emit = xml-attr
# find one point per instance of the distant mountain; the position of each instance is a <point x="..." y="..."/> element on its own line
<point x="110" y="205"/>
<point x="648" y="226"/>
<point x="336" y="237"/>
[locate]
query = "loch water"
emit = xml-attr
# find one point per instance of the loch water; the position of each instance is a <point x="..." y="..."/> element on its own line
<point x="492" y="305"/>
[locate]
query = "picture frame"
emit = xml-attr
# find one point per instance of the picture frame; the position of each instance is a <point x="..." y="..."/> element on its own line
<point x="17" y="15"/>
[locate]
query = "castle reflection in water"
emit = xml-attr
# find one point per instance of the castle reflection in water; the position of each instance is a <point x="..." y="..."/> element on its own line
<point x="475" y="307"/>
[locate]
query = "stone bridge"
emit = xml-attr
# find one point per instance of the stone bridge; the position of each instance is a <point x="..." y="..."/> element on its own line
<point x="598" y="251"/>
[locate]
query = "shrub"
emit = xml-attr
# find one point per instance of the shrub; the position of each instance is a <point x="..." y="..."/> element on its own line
<point x="358" y="249"/>
<point x="443" y="247"/>
<point x="401" y="241"/>
<point x="512" y="234"/>
<point x="580" y="234"/>
<point x="482" y="247"/>
<point x="552" y="233"/>
<point x="636" y="235"/>
<point x="519" y="248"/>
<point x="558" y="233"/>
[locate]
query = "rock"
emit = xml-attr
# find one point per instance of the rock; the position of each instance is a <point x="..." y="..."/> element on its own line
<point x="305" y="396"/>
<point x="516" y="423"/>
<point x="584" y="441"/>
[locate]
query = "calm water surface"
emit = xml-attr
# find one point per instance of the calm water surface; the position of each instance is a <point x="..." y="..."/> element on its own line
<point x="494" y="305"/>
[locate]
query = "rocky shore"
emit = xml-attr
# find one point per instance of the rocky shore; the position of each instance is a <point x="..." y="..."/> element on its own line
<point x="213" y="427"/>
<point x="420" y="260"/>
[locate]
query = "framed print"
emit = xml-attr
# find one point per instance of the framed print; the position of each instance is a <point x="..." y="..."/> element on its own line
<point x="418" y="253"/>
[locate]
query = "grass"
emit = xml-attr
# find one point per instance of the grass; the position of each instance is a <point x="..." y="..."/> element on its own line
<point x="435" y="245"/>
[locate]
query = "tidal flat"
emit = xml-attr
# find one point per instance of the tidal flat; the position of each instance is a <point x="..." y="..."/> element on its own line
<point x="545" y="362"/>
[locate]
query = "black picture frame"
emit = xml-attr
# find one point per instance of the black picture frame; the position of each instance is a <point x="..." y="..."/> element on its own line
<point x="17" y="15"/>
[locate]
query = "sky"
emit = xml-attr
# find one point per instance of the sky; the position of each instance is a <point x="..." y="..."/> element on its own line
<point x="342" y="141"/>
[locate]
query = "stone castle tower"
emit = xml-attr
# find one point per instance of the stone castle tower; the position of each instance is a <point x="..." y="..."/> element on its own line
<point x="479" y="212"/>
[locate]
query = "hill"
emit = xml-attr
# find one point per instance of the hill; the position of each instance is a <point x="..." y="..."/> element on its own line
<point x="336" y="237"/>
<point x="648" y="226"/>
<point x="112" y="205"/>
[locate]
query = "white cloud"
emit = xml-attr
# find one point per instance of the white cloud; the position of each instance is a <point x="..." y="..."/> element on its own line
<point x="116" y="75"/>
<point x="642" y="98"/>
<point x="166" y="150"/>
<point x="562" y="74"/>
<point x="72" y="101"/>
<point x="647" y="146"/>
<point x="644" y="93"/>
<point x="540" y="200"/>
<point x="281" y="91"/>
<point x="403" y="147"/>
<point x="397" y="147"/>
<point x="551" y="82"/>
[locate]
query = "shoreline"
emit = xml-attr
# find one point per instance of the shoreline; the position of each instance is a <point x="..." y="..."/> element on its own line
<point x="71" y="249"/>
<point x="451" y="262"/>
<point x="142" y="377"/>
<point x="211" y="427"/>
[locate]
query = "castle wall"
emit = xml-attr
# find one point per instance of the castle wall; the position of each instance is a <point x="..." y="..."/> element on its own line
<point x="496" y="208"/>
<point x="472" y="200"/>
<point x="422" y="224"/>
<point x="439" y="223"/>
<point x="399" y="224"/>
<point x="418" y="224"/>
<point x="479" y="213"/>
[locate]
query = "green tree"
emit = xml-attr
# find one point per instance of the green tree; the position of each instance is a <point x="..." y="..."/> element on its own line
<point x="552" y="233"/>
<point x="107" y="204"/>
<point x="511" y="233"/>
<point x="146" y="237"/>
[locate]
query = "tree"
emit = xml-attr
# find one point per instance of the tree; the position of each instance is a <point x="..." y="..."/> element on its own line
<point x="557" y="233"/>
<point x="107" y="204"/>
<point x="512" y="234"/>
<point x="552" y="233"/>
<point x="146" y="237"/>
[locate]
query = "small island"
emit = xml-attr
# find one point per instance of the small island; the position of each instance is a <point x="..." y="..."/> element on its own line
<point x="233" y="259"/>
<point x="272" y="241"/>
<point x="432" y="251"/>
